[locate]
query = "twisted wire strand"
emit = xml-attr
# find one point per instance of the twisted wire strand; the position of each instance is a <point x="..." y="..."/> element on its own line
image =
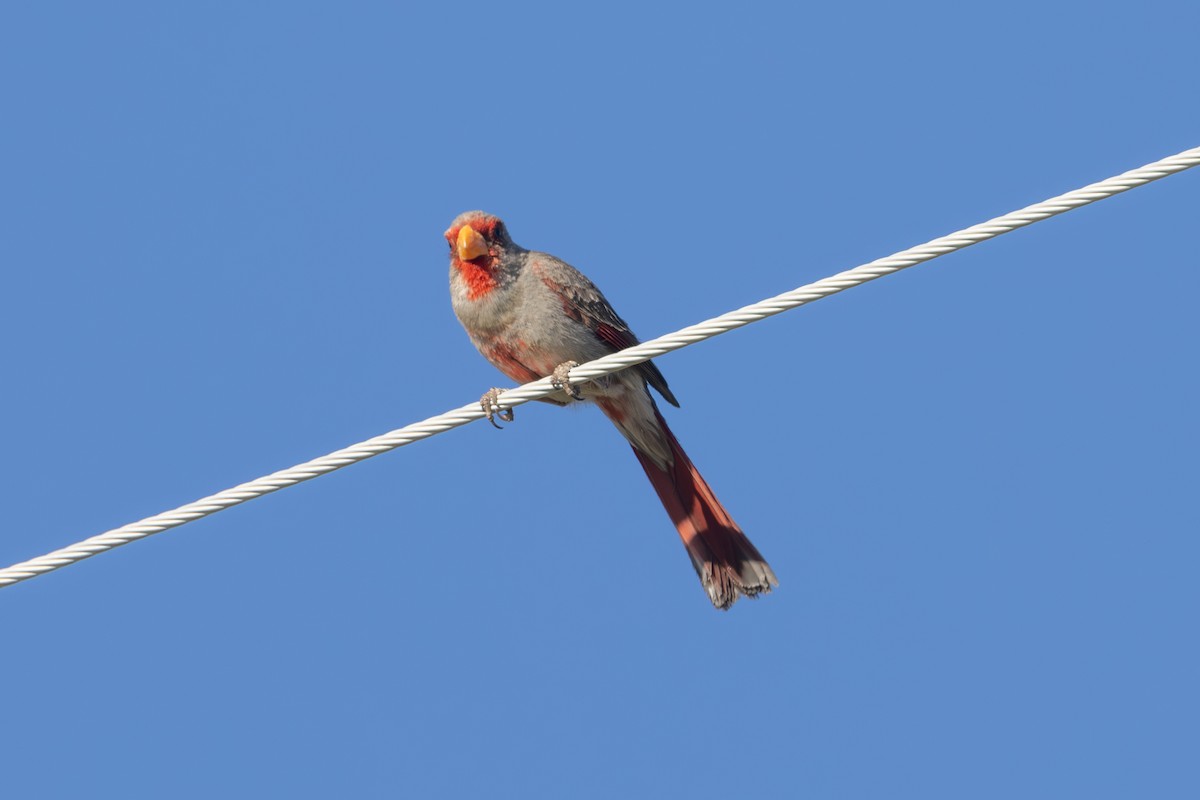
<point x="600" y="367"/>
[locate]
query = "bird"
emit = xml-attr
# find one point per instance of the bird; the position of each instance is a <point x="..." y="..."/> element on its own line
<point x="533" y="315"/>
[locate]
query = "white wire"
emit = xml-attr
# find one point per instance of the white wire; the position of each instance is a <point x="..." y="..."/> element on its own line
<point x="601" y="366"/>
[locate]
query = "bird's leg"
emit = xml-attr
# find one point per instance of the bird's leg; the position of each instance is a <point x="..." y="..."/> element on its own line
<point x="490" y="403"/>
<point x="561" y="379"/>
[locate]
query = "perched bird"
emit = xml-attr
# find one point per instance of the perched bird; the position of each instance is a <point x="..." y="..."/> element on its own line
<point x="533" y="315"/>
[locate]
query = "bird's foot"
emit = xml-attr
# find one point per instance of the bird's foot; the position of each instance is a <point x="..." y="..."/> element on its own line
<point x="490" y="403"/>
<point x="561" y="379"/>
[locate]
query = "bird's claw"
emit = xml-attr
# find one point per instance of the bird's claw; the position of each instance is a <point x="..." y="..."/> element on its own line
<point x="561" y="379"/>
<point x="490" y="403"/>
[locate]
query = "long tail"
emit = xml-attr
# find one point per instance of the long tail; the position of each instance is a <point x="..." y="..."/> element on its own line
<point x="727" y="563"/>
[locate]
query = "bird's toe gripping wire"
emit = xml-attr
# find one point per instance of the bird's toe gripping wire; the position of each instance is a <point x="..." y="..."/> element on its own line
<point x="490" y="403"/>
<point x="561" y="379"/>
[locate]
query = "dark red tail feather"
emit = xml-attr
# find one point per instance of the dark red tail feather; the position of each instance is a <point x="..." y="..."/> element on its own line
<point x="727" y="563"/>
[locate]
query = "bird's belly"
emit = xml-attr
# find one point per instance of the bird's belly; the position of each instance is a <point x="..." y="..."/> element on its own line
<point x="527" y="339"/>
<point x="526" y="355"/>
<point x="515" y="359"/>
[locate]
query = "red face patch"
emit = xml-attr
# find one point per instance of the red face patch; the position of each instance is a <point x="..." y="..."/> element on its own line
<point x="478" y="273"/>
<point x="485" y="226"/>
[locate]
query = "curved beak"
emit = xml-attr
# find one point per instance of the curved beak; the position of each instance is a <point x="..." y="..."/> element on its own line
<point x="470" y="244"/>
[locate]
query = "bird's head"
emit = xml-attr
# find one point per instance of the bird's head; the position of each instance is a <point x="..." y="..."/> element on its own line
<point x="479" y="239"/>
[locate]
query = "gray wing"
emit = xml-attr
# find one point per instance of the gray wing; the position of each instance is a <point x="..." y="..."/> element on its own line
<point x="584" y="303"/>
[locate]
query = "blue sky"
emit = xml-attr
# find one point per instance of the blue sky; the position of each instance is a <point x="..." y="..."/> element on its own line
<point x="221" y="242"/>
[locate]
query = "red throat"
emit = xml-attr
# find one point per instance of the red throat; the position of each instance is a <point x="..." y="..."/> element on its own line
<point x="480" y="279"/>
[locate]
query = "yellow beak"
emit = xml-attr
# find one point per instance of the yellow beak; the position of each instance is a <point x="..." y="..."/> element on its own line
<point x="470" y="244"/>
